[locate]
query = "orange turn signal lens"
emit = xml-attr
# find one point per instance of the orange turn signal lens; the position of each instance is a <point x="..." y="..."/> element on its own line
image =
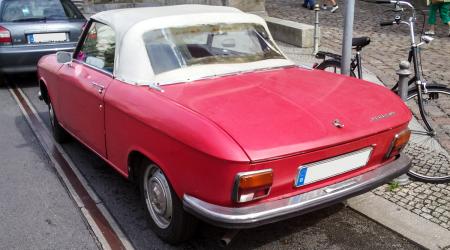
<point x="399" y="142"/>
<point x="252" y="185"/>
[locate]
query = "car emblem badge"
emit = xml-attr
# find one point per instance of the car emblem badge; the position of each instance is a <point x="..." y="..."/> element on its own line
<point x="382" y="116"/>
<point x="338" y="124"/>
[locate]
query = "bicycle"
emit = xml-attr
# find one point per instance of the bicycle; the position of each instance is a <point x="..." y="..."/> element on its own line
<point x="431" y="162"/>
<point x="332" y="62"/>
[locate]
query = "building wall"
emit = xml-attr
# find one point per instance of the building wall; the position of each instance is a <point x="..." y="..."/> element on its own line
<point x="256" y="6"/>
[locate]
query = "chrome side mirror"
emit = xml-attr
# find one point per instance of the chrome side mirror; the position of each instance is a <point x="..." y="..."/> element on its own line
<point x="63" y="57"/>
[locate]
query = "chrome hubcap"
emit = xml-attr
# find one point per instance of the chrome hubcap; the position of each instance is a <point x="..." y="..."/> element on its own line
<point x="158" y="197"/>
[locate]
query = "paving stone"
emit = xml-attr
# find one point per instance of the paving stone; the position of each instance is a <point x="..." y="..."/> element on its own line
<point x="435" y="220"/>
<point x="417" y="211"/>
<point x="426" y="216"/>
<point x="426" y="210"/>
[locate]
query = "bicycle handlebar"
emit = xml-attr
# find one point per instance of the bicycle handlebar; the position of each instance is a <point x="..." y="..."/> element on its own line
<point x="383" y="1"/>
<point x="397" y="2"/>
<point x="389" y="23"/>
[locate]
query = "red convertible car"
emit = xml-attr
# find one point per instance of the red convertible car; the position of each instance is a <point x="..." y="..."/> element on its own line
<point x="199" y="106"/>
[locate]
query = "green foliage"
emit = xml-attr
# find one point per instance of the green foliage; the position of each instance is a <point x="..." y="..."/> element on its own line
<point x="392" y="186"/>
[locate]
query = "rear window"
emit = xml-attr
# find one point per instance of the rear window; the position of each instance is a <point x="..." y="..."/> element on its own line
<point x="36" y="10"/>
<point x="178" y="47"/>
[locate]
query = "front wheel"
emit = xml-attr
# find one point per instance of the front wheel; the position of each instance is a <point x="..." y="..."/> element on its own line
<point x="167" y="216"/>
<point x="59" y="133"/>
<point x="430" y="159"/>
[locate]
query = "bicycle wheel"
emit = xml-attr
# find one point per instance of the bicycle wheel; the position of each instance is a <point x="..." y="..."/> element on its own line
<point x="430" y="159"/>
<point x="333" y="66"/>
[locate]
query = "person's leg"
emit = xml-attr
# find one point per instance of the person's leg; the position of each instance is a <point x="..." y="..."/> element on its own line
<point x="444" y="11"/>
<point x="305" y="3"/>
<point x="335" y="6"/>
<point x="311" y="4"/>
<point x="432" y="19"/>
<point x="324" y="4"/>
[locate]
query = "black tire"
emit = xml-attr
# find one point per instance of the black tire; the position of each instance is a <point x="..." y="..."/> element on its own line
<point x="2" y="80"/>
<point x="171" y="223"/>
<point x="332" y="65"/>
<point x="431" y="162"/>
<point x="59" y="133"/>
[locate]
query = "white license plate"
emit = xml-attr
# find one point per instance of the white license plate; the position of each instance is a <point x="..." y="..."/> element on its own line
<point x="317" y="171"/>
<point x="47" y="37"/>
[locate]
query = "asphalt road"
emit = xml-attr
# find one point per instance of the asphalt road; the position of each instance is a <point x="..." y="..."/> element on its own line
<point x="336" y="227"/>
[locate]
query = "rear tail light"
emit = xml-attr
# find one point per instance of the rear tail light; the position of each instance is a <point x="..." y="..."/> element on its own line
<point x="5" y="36"/>
<point x="253" y="185"/>
<point x="399" y="142"/>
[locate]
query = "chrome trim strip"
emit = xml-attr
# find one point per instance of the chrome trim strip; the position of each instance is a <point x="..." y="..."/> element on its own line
<point x="271" y="211"/>
<point x="93" y="67"/>
<point x="339" y="187"/>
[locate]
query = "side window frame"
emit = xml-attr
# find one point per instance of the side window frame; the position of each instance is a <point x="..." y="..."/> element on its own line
<point x="81" y="43"/>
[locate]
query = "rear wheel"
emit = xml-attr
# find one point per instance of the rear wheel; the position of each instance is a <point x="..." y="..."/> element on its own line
<point x="59" y="133"/>
<point x="167" y="216"/>
<point x="431" y="161"/>
<point x="333" y="66"/>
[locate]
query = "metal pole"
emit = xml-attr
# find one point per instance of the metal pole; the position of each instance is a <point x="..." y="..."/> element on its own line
<point x="348" y="36"/>
<point x="316" y="29"/>
<point x="403" y="77"/>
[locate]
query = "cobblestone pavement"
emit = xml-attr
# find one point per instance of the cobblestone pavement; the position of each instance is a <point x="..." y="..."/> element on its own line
<point x="389" y="46"/>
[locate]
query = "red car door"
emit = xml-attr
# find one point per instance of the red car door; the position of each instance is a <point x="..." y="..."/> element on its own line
<point x="83" y="84"/>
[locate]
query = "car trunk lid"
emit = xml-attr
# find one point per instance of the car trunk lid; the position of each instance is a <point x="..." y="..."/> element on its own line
<point x="44" y="32"/>
<point x="292" y="110"/>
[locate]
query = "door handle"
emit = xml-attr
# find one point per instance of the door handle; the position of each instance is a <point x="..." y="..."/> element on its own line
<point x="98" y="86"/>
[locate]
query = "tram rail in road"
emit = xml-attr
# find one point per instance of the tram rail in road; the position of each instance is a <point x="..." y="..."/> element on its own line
<point x="101" y="222"/>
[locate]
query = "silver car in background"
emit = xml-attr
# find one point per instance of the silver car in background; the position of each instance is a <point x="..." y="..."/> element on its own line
<point x="30" y="29"/>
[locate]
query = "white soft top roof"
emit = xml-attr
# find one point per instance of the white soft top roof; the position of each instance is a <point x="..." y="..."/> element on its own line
<point x="132" y="64"/>
<point x="121" y="20"/>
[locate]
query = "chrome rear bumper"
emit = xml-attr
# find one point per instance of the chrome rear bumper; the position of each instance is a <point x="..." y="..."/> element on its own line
<point x="272" y="211"/>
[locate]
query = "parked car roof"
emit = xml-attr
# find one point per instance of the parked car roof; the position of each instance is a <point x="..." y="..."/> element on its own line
<point x="132" y="64"/>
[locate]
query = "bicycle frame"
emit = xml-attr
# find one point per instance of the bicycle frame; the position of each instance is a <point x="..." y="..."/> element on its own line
<point x="414" y="58"/>
<point x="358" y="64"/>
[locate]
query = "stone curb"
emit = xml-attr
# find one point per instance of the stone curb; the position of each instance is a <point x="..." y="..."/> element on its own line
<point x="406" y="223"/>
<point x="402" y="221"/>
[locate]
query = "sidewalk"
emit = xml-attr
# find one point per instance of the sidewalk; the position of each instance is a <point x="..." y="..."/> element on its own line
<point x="430" y="201"/>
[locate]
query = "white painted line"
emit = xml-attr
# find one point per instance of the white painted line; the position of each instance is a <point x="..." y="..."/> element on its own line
<point x="98" y="233"/>
<point x="126" y="243"/>
<point x="80" y="177"/>
<point x="73" y="193"/>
